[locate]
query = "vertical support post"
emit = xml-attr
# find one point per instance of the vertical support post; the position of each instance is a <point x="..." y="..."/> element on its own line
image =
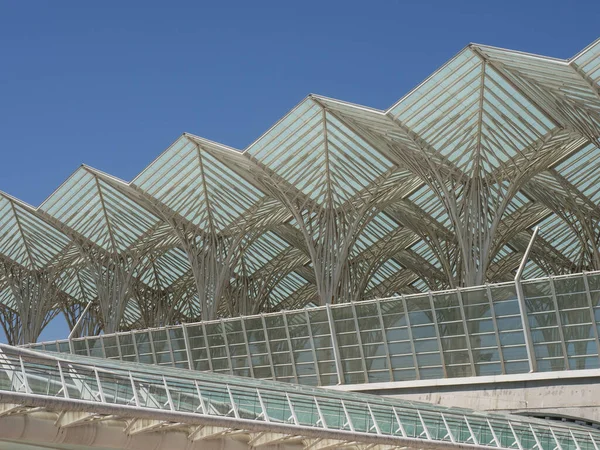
<point x="226" y="342"/>
<point x="561" y="334"/>
<point x="202" y="405"/>
<point x="118" y="346"/>
<point x="289" y="341"/>
<point x="334" y="344"/>
<point x="170" y="344"/>
<point x="152" y="350"/>
<point x="186" y="342"/>
<point x="99" y="383"/>
<point x="588" y="294"/>
<point x="311" y="339"/>
<point x="135" y="347"/>
<point x="102" y="347"/>
<point x="496" y="330"/>
<point x="247" y="346"/>
<point x="466" y="328"/>
<point x="437" y="334"/>
<point x="292" y="410"/>
<point x="384" y="339"/>
<point x="268" y="346"/>
<point x="348" y="423"/>
<point x="401" y="428"/>
<point x="79" y="320"/>
<point x="263" y="408"/>
<point x="209" y="357"/>
<point x="169" y="398"/>
<point x="360" y="343"/>
<point x="62" y="380"/>
<point x="134" y="389"/>
<point x="234" y="406"/>
<point x="523" y="306"/>
<point x="412" y="341"/>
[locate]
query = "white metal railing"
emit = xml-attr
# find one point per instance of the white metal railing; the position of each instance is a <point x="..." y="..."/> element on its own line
<point x="239" y="402"/>
<point x="484" y="330"/>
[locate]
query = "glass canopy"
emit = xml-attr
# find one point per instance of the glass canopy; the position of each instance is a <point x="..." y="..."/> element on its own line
<point x="176" y="398"/>
<point x="335" y="203"/>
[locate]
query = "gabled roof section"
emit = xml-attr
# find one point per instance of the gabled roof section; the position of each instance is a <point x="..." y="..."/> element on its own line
<point x="319" y="154"/>
<point x="25" y="238"/>
<point x="558" y="87"/>
<point x="95" y="210"/>
<point x="473" y="117"/>
<point x="587" y="61"/>
<point x="191" y="181"/>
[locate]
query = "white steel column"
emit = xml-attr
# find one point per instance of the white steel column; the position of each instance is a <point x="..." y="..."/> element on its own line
<point x="523" y="306"/>
<point x="335" y="346"/>
<point x="592" y="313"/>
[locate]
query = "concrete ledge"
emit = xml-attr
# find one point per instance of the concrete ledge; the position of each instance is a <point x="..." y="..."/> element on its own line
<point x="471" y="381"/>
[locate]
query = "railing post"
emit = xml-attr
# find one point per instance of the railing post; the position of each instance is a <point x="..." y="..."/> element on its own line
<point x="188" y="352"/>
<point x="289" y="342"/>
<point x="523" y="306"/>
<point x="437" y="334"/>
<point x="467" y="333"/>
<point x="311" y="341"/>
<point x="588" y="295"/>
<point x="70" y="338"/>
<point x="247" y="346"/>
<point x="412" y="341"/>
<point x="384" y="339"/>
<point x="334" y="344"/>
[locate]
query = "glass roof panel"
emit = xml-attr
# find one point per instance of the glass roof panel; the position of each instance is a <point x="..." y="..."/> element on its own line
<point x="77" y="283"/>
<point x="191" y="181"/>
<point x="12" y="243"/>
<point x="43" y="240"/>
<point x="128" y="220"/>
<point x="76" y="203"/>
<point x="553" y="83"/>
<point x="6" y="297"/>
<point x="588" y="61"/>
<point x="317" y="152"/>
<point x="582" y="170"/>
<point x="455" y="74"/>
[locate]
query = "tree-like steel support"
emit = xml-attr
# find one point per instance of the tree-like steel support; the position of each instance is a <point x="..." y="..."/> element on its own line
<point x="336" y="202"/>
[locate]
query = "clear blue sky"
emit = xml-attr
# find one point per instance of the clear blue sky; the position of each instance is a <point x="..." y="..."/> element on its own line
<point x="113" y="83"/>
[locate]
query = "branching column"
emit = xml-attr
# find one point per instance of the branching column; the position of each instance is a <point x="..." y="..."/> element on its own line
<point x="35" y="296"/>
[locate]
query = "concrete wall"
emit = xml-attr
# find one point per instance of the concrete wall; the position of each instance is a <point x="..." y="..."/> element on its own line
<point x="571" y="394"/>
<point x="39" y="430"/>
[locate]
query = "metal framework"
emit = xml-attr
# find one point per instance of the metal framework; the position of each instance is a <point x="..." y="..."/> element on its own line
<point x="335" y="203"/>
<point x="464" y="332"/>
<point x="82" y="391"/>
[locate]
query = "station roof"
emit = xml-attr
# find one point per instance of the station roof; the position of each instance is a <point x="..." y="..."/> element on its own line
<point x="440" y="190"/>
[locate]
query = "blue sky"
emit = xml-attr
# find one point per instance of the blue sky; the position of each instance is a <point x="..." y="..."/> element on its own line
<point x="112" y="84"/>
